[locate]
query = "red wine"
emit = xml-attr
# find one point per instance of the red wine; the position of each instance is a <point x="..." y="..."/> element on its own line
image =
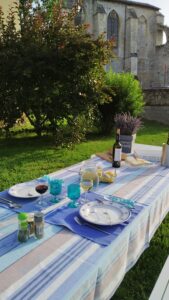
<point x="117" y="151"/>
<point x="41" y="188"/>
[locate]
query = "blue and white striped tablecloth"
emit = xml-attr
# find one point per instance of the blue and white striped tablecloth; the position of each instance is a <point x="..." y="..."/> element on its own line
<point x="66" y="266"/>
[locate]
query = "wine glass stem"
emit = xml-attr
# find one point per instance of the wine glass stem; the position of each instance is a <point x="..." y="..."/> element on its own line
<point x="41" y="200"/>
<point x="55" y="199"/>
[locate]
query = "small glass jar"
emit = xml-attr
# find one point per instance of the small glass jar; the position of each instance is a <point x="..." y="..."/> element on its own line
<point x="39" y="225"/>
<point x="23" y="231"/>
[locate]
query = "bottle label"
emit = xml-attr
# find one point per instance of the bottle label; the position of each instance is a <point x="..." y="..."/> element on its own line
<point x="117" y="155"/>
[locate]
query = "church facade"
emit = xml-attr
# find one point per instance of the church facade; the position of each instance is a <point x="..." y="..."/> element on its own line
<point x="137" y="30"/>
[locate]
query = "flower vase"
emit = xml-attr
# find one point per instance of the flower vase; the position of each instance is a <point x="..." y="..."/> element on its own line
<point x="127" y="142"/>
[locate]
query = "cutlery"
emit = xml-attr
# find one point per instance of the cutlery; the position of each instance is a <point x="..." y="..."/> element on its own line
<point x="83" y="223"/>
<point x="10" y="203"/>
<point x="127" y="203"/>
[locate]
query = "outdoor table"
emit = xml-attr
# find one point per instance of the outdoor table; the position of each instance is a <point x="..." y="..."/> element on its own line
<point x="64" y="265"/>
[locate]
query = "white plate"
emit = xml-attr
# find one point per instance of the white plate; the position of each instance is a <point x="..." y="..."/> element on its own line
<point x="24" y="190"/>
<point x="104" y="213"/>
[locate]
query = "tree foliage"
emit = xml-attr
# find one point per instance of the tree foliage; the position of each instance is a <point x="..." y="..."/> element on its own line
<point x="9" y="89"/>
<point x="56" y="67"/>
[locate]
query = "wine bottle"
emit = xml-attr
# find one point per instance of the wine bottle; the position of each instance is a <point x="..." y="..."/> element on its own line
<point x="117" y="148"/>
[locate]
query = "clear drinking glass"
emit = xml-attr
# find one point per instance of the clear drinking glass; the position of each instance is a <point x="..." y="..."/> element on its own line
<point x="90" y="172"/>
<point x="73" y="193"/>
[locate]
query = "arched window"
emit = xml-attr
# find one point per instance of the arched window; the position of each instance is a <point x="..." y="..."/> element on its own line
<point x="113" y="27"/>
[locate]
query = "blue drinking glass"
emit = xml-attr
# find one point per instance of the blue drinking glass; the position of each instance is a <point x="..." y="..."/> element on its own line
<point x="73" y="193"/>
<point x="55" y="186"/>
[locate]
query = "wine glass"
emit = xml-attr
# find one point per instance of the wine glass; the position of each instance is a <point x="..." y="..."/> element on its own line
<point x="41" y="188"/>
<point x="86" y="185"/>
<point x="73" y="192"/>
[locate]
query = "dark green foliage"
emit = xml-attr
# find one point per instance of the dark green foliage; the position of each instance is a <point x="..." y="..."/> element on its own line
<point x="58" y="68"/>
<point x="125" y="95"/>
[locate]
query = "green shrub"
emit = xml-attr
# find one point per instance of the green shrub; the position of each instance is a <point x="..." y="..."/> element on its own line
<point x="125" y="95"/>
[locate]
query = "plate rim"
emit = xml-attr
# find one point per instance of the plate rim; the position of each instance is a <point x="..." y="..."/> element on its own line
<point x="111" y="204"/>
<point x="10" y="192"/>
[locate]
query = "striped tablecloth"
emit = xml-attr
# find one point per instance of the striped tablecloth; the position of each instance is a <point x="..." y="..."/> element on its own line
<point x="66" y="266"/>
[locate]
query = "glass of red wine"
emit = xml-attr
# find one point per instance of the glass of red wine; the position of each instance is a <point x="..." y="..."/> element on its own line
<point x="41" y="188"/>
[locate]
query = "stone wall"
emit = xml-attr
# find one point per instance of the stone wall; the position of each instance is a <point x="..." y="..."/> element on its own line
<point x="6" y="5"/>
<point x="157" y="105"/>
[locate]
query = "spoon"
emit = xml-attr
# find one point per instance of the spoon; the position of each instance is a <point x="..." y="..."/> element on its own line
<point x="10" y="203"/>
<point x="83" y="223"/>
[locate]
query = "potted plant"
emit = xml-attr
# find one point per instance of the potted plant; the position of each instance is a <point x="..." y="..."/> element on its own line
<point x="128" y="126"/>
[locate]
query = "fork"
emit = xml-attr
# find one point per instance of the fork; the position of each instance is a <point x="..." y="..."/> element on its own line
<point x="83" y="223"/>
<point x="10" y="203"/>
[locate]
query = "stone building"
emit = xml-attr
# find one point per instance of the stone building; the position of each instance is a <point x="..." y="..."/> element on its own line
<point x="6" y="5"/>
<point x="137" y="29"/>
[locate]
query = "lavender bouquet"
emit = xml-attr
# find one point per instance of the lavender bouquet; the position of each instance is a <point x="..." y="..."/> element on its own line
<point x="128" y="124"/>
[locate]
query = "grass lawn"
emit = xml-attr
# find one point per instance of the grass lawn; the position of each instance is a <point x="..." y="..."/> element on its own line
<point x="25" y="157"/>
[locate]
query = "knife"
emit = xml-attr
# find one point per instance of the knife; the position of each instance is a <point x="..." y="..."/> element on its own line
<point x="7" y="201"/>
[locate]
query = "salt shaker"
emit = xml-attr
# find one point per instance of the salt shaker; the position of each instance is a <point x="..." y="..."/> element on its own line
<point x="39" y="225"/>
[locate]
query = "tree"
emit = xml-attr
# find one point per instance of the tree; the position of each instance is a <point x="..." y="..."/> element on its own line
<point x="9" y="85"/>
<point x="58" y="67"/>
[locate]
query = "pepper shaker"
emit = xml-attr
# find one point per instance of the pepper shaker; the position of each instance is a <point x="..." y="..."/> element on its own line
<point x="39" y="225"/>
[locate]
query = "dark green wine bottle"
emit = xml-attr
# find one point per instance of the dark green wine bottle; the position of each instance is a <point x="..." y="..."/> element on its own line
<point x="117" y="148"/>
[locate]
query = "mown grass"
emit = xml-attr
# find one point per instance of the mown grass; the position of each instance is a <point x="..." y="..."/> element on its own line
<point x="26" y="156"/>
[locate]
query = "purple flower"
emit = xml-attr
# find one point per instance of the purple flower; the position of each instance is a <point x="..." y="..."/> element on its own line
<point x="127" y="124"/>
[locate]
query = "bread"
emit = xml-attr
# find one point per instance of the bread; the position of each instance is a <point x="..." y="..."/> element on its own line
<point x="107" y="177"/>
<point x="136" y="161"/>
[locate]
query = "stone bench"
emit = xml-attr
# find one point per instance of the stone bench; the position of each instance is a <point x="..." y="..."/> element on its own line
<point x="161" y="288"/>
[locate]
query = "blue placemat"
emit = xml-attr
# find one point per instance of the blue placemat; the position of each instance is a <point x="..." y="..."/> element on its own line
<point x="65" y="217"/>
<point x="28" y="204"/>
